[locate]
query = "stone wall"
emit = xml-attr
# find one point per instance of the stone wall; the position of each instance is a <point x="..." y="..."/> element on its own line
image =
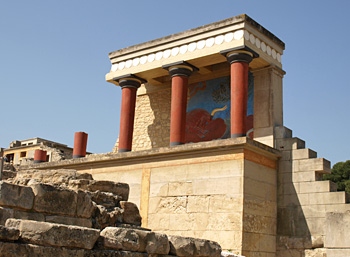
<point x="64" y="213"/>
<point x="152" y="120"/>
<point x="223" y="190"/>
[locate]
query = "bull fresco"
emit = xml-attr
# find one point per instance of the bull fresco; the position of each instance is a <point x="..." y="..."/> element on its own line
<point x="208" y="110"/>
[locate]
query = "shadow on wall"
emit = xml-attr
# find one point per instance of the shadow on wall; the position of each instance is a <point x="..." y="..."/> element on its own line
<point x="293" y="232"/>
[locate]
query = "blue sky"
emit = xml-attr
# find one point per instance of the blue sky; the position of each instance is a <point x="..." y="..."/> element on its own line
<point x="54" y="57"/>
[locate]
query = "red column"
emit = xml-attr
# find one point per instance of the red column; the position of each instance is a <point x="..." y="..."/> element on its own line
<point x="129" y="86"/>
<point x="39" y="156"/>
<point x="239" y="61"/>
<point x="179" y="82"/>
<point x="80" y="143"/>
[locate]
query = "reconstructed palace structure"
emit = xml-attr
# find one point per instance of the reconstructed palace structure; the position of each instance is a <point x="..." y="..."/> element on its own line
<point x="203" y="146"/>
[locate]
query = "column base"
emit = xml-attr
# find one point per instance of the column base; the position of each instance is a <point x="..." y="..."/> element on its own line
<point x="238" y="135"/>
<point x="78" y="156"/>
<point x="123" y="150"/>
<point x="176" y="143"/>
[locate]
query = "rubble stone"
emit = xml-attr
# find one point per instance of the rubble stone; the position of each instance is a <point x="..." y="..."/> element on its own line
<point x="14" y="195"/>
<point x="56" y="200"/>
<point x="131" y="214"/>
<point x="187" y="246"/>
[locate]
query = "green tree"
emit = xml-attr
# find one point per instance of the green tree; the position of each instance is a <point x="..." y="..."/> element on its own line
<point x="341" y="175"/>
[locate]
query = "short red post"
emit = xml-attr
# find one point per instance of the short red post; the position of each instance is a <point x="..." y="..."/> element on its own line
<point x="80" y="143"/>
<point x="39" y="156"/>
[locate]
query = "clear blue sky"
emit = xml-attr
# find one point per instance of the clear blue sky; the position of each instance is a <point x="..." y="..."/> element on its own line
<point x="54" y="57"/>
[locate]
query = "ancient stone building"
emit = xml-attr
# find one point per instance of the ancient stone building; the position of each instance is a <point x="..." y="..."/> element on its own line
<point x="23" y="151"/>
<point x="203" y="146"/>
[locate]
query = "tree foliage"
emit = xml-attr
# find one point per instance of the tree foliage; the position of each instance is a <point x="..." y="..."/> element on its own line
<point x="341" y="175"/>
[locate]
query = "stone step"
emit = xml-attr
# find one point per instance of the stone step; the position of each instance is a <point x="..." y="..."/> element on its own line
<point x="306" y="176"/>
<point x="329" y="198"/>
<point x="306" y="153"/>
<point x="289" y="143"/>
<point x="319" y="165"/>
<point x="316" y="187"/>
<point x="283" y="132"/>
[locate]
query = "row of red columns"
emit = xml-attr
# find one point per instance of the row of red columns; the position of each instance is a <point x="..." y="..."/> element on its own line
<point x="239" y="64"/>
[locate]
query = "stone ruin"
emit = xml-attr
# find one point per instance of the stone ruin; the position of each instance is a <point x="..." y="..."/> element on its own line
<point x="64" y="213"/>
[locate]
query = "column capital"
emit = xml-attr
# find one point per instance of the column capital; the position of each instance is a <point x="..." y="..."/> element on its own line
<point x="180" y="68"/>
<point x="129" y="80"/>
<point x="239" y="54"/>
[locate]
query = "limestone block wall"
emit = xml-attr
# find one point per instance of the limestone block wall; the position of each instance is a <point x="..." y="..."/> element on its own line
<point x="204" y="199"/>
<point x="260" y="208"/>
<point x="152" y="120"/>
<point x="223" y="190"/>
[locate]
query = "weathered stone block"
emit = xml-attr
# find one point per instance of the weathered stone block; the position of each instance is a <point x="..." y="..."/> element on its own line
<point x="180" y="188"/>
<point x="5" y="213"/>
<point x="135" y="240"/>
<point x="181" y="246"/>
<point x="54" y="200"/>
<point x="198" y="204"/>
<point x="8" y="249"/>
<point x="123" y="239"/>
<point x="8" y="234"/>
<point x="224" y="203"/>
<point x="106" y="199"/>
<point x="159" y="222"/>
<point x="337" y="230"/>
<point x="131" y="214"/>
<point x="17" y="196"/>
<point x="85" y="206"/>
<point x="157" y="243"/>
<point x="215" y="186"/>
<point x="59" y="177"/>
<point x="44" y="233"/>
<point x="28" y="215"/>
<point x="121" y="189"/>
<point x="225" y="221"/>
<point x="168" y="204"/>
<point x="207" y="248"/>
<point x="81" y="222"/>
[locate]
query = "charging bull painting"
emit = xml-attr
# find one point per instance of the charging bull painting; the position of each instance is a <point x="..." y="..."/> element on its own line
<point x="208" y="110"/>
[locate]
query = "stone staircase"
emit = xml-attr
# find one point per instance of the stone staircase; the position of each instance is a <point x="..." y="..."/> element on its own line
<point x="64" y="213"/>
<point x="304" y="198"/>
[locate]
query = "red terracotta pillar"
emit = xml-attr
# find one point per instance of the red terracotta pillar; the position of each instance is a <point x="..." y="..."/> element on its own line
<point x="39" y="156"/>
<point x="179" y="73"/>
<point x="129" y="85"/>
<point x="80" y="143"/>
<point x="239" y="60"/>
